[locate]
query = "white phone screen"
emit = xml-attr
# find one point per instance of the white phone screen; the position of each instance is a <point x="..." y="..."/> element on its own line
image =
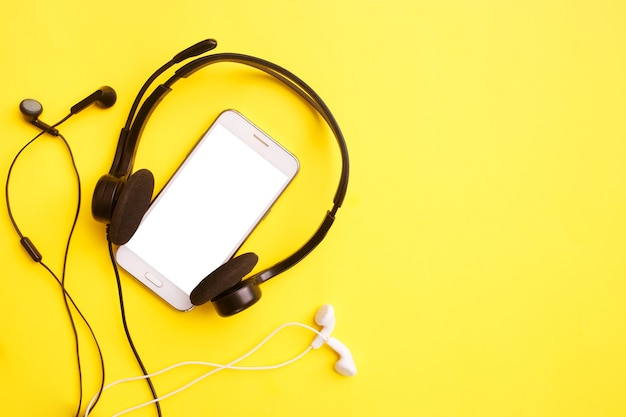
<point x="208" y="208"/>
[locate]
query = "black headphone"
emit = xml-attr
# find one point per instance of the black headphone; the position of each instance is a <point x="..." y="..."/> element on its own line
<point x="121" y="197"/>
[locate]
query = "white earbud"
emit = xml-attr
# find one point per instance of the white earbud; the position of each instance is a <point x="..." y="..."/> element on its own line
<point x="324" y="317"/>
<point x="345" y="365"/>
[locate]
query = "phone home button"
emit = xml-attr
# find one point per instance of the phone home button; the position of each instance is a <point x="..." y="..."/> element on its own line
<point x="153" y="279"/>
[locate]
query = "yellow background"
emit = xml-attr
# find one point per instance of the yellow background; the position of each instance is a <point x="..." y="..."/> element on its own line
<point x="477" y="267"/>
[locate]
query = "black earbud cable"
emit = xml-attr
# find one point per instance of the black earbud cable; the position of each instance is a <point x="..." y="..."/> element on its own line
<point x="6" y="186"/>
<point x="36" y="256"/>
<point x="30" y="248"/>
<point x="126" y="329"/>
<point x="67" y="296"/>
<point x="65" y="262"/>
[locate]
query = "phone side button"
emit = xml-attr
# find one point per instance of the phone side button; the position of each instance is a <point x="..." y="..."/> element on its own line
<point x="150" y="277"/>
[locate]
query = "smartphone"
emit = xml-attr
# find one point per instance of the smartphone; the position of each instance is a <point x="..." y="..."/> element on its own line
<point x="207" y="209"/>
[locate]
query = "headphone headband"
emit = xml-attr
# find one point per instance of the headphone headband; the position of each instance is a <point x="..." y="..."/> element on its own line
<point x="123" y="163"/>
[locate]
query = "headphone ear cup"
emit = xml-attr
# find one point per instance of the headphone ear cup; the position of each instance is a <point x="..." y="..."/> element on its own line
<point x="238" y="298"/>
<point x="223" y="278"/>
<point x="130" y="207"/>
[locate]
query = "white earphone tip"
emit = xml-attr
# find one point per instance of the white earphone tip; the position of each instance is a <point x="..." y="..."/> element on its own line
<point x="346" y="369"/>
<point x="345" y="365"/>
<point x="323" y="314"/>
<point x="325" y="317"/>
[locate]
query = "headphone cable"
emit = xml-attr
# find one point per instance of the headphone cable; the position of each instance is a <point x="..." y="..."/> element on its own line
<point x="126" y="329"/>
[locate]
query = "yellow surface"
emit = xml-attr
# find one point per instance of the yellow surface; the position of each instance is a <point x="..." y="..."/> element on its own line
<point x="477" y="267"/>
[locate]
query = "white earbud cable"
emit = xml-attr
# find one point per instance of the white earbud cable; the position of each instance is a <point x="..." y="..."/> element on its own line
<point x="218" y="367"/>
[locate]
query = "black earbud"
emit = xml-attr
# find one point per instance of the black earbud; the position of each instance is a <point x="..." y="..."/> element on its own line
<point x="31" y="109"/>
<point x="105" y="97"/>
